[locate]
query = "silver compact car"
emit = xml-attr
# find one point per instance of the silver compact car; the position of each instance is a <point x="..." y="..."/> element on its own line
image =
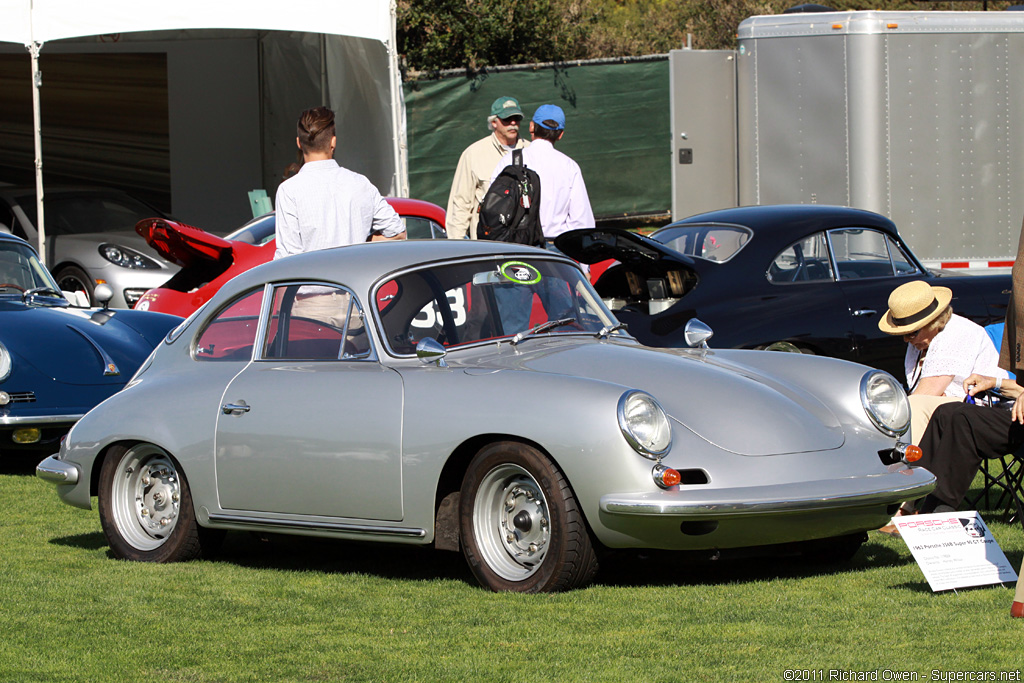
<point x="90" y="239"/>
<point x="478" y="396"/>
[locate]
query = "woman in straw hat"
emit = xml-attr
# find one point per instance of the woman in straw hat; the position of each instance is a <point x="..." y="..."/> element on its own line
<point x="943" y="349"/>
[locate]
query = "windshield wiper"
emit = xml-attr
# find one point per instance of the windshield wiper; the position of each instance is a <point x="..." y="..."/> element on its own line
<point x="541" y="328"/>
<point x="608" y="329"/>
<point x="50" y="292"/>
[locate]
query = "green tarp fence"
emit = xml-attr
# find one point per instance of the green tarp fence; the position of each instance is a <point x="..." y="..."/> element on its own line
<point x="617" y="127"/>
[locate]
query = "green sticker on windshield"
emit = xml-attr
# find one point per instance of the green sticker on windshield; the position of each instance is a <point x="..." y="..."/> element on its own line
<point x="519" y="272"/>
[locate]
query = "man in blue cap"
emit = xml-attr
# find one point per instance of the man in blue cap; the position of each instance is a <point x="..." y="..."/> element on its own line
<point x="473" y="173"/>
<point x="564" y="204"/>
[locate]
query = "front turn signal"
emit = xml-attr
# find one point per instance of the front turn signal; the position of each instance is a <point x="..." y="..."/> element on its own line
<point x="665" y="477"/>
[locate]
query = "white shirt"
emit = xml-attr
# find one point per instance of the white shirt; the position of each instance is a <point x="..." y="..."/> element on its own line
<point x="564" y="203"/>
<point x="325" y="205"/>
<point x="960" y="349"/>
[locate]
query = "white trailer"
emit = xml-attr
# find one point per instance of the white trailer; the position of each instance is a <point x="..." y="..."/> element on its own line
<point x="914" y="115"/>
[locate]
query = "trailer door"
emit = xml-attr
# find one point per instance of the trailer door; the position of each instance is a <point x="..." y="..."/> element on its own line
<point x="702" y="93"/>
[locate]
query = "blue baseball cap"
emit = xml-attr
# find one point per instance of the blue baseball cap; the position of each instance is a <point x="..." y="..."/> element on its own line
<point x="549" y="112"/>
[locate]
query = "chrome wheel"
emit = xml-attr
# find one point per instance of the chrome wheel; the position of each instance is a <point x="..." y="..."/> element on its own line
<point x="145" y="497"/>
<point x="512" y="523"/>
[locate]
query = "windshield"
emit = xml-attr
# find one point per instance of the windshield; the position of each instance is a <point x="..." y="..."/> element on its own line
<point x="258" y="231"/>
<point x="81" y="213"/>
<point x="717" y="243"/>
<point x="20" y="270"/>
<point x="463" y="303"/>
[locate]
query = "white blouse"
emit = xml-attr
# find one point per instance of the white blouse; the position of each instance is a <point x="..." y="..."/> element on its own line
<point x="960" y="349"/>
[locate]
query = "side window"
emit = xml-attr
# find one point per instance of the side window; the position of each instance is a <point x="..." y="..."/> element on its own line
<point x="315" y="322"/>
<point x="903" y="265"/>
<point x="861" y="253"/>
<point x="418" y="228"/>
<point x="803" y="261"/>
<point x="231" y="334"/>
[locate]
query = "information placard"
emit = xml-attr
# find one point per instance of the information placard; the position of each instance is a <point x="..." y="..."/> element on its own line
<point x="955" y="550"/>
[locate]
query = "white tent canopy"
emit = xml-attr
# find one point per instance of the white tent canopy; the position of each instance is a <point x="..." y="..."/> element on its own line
<point x="357" y="70"/>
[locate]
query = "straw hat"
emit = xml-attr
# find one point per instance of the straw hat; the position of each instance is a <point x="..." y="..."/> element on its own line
<point x="914" y="305"/>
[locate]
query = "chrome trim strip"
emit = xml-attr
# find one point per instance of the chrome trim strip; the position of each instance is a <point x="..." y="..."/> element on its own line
<point x="109" y="366"/>
<point x="325" y="526"/>
<point x="669" y="503"/>
<point x="38" y="419"/>
<point x="57" y="471"/>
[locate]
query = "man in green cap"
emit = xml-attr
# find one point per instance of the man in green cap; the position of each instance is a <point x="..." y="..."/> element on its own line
<point x="476" y="165"/>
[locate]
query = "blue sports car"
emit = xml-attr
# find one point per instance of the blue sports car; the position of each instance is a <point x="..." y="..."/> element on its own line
<point x="57" y="361"/>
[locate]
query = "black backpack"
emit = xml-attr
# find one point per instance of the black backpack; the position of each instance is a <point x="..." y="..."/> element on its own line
<point x="510" y="211"/>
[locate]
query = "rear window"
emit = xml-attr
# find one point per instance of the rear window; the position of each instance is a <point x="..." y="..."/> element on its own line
<point x="717" y="243"/>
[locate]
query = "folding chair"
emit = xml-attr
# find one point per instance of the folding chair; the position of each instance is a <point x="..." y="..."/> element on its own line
<point x="1002" y="482"/>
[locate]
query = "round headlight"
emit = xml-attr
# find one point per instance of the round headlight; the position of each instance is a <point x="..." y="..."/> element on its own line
<point x="885" y="402"/>
<point x="5" y="362"/>
<point x="126" y="258"/>
<point x="644" y="424"/>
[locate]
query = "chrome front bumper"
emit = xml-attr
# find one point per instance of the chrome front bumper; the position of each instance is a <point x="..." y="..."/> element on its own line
<point x="57" y="471"/>
<point x="810" y="496"/>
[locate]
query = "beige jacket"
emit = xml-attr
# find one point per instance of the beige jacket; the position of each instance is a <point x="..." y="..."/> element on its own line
<point x="472" y="178"/>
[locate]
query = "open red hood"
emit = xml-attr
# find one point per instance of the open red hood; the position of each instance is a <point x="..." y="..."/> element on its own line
<point x="183" y="244"/>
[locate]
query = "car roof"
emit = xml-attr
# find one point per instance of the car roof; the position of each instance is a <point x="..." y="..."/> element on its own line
<point x="360" y="265"/>
<point x="792" y="221"/>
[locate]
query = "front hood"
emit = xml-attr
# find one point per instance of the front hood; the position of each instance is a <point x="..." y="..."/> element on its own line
<point x="183" y="244"/>
<point x="731" y="406"/>
<point x="593" y="246"/>
<point x="72" y="346"/>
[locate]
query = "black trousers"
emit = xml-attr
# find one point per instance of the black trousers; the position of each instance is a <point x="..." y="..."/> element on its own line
<point x="958" y="437"/>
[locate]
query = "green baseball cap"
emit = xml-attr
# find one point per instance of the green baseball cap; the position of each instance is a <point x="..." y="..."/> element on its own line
<point x="505" y="107"/>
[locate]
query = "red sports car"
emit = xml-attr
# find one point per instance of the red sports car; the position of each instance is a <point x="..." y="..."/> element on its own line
<point x="208" y="261"/>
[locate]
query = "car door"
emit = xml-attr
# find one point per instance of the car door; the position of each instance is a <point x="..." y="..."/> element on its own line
<point x="803" y="305"/>
<point x="313" y="425"/>
<point x="870" y="264"/>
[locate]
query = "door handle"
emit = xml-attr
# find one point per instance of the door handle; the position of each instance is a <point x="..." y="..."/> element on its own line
<point x="860" y="312"/>
<point x="234" y="408"/>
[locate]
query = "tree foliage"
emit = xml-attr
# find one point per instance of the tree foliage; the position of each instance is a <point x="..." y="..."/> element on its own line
<point x="475" y="34"/>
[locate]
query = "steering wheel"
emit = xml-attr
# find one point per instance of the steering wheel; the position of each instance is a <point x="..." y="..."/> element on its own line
<point x="12" y="285"/>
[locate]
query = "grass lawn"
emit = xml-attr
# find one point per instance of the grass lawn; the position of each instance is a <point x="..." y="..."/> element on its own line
<point x="288" y="609"/>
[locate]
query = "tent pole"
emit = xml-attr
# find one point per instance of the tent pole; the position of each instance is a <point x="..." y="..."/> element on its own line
<point x="399" y="141"/>
<point x="37" y="83"/>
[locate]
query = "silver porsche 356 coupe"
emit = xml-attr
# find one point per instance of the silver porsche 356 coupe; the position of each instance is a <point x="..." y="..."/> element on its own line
<point x="477" y="396"/>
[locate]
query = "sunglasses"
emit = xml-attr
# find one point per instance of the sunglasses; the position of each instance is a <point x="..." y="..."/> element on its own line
<point x="510" y="120"/>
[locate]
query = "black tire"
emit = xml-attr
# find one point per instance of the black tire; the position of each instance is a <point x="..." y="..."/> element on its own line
<point x="520" y="525"/>
<point x="145" y="506"/>
<point x="74" y="279"/>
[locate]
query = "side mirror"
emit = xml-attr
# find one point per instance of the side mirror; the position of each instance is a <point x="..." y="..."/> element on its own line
<point x="430" y="351"/>
<point x="697" y="333"/>
<point x="103" y="294"/>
